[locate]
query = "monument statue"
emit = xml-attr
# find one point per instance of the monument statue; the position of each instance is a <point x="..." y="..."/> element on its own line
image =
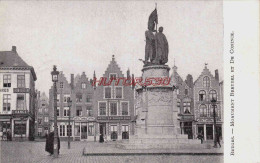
<point x="156" y="48"/>
<point x="162" y="48"/>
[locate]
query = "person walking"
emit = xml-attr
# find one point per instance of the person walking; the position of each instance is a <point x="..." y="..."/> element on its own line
<point x="218" y="140"/>
<point x="200" y="136"/>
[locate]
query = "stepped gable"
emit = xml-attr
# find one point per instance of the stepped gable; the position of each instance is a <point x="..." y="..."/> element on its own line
<point x="113" y="68"/>
<point x="203" y="73"/>
<point x="63" y="79"/>
<point x="82" y="79"/>
<point x="11" y="60"/>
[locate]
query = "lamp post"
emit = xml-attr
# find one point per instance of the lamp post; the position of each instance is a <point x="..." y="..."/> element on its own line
<point x="69" y="104"/>
<point x="55" y="75"/>
<point x="213" y="101"/>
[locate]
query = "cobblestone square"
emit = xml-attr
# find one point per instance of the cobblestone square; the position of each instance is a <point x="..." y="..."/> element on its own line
<point x="32" y="152"/>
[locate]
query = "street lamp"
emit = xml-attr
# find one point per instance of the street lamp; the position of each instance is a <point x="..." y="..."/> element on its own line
<point x="214" y="101"/>
<point x="55" y="75"/>
<point x="69" y="104"/>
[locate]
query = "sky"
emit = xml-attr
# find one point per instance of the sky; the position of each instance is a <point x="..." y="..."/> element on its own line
<point x="82" y="36"/>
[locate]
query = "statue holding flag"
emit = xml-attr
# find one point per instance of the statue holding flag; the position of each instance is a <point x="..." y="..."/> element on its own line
<point x="156" y="48"/>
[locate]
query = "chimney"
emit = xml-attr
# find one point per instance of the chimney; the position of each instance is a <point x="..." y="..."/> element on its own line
<point x="13" y="48"/>
<point x="189" y="80"/>
<point x="216" y="75"/>
<point x="133" y="82"/>
<point x="128" y="73"/>
<point x="72" y="81"/>
<point x="94" y="80"/>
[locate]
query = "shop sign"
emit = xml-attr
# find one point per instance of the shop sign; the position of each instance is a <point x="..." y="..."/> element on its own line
<point x="21" y="90"/>
<point x="114" y="118"/>
<point x="91" y="118"/>
<point x="4" y="90"/>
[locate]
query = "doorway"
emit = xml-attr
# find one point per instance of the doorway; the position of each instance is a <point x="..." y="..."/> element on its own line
<point x="84" y="131"/>
<point x="209" y="132"/>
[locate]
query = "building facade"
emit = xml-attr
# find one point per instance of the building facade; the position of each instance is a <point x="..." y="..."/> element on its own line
<point x="42" y="115"/>
<point x="82" y="121"/>
<point x="185" y="102"/>
<point x="17" y="95"/>
<point x="206" y="88"/>
<point x="114" y="105"/>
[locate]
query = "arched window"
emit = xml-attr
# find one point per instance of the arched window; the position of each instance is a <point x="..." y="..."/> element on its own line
<point x="202" y="95"/>
<point x="213" y="95"/>
<point x="211" y="111"/>
<point x="206" y="81"/>
<point x="203" y="110"/>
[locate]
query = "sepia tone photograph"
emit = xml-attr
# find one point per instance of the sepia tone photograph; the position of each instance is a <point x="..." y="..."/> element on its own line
<point x="112" y="81"/>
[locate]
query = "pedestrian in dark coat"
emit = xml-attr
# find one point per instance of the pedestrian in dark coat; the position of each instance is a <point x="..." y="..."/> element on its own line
<point x="218" y="140"/>
<point x="200" y="136"/>
<point x="49" y="147"/>
<point x="101" y="138"/>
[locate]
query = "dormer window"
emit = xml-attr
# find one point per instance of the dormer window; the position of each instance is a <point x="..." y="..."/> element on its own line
<point x="206" y="81"/>
<point x="83" y="85"/>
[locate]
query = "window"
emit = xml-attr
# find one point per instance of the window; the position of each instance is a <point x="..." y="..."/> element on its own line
<point x="20" y="81"/>
<point x="125" y="132"/>
<point x="65" y="111"/>
<point x="66" y="98"/>
<point x="124" y="108"/>
<point x="6" y="102"/>
<point x="58" y="97"/>
<point x="203" y="110"/>
<point x="113" y="108"/>
<point x="43" y="104"/>
<point x="91" y="129"/>
<point x="62" y="130"/>
<point x="202" y="95"/>
<point x="78" y="97"/>
<point x="46" y="119"/>
<point x="89" y="98"/>
<point x="107" y="92"/>
<point x="83" y="85"/>
<point x="112" y="76"/>
<point x="179" y="105"/>
<point x="213" y="95"/>
<point x="39" y="121"/>
<point x="7" y="81"/>
<point x="69" y="131"/>
<point x="119" y="92"/>
<point x="89" y="110"/>
<point x="39" y="131"/>
<point x="20" y="102"/>
<point x="102" y="108"/>
<point x="206" y="81"/>
<point x="186" y="107"/>
<point x="177" y="91"/>
<point x="211" y="112"/>
<point x="78" y="111"/>
<point x="58" y="111"/>
<point x="186" y="91"/>
<point x="113" y="129"/>
<point x="61" y="84"/>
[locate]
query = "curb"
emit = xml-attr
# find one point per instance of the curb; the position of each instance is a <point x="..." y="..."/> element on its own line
<point x="136" y="154"/>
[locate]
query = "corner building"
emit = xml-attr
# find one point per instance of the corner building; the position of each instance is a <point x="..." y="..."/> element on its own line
<point x="114" y="105"/>
<point x="207" y="87"/>
<point x="17" y="96"/>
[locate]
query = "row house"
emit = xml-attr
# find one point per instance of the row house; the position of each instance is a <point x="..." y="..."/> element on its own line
<point x="206" y="88"/>
<point x="185" y="102"/>
<point x="82" y="121"/>
<point x="42" y="125"/>
<point x="17" y="95"/>
<point x="114" y="104"/>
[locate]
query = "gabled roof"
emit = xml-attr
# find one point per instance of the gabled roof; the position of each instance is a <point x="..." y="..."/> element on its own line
<point x="10" y="59"/>
<point x="113" y="68"/>
<point x="204" y="72"/>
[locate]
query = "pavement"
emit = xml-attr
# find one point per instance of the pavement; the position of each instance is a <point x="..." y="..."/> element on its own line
<point x="34" y="152"/>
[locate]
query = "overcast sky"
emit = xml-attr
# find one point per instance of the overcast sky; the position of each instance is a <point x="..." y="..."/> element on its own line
<point x="83" y="36"/>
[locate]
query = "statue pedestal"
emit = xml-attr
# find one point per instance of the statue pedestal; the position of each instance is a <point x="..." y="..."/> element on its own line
<point x="157" y="125"/>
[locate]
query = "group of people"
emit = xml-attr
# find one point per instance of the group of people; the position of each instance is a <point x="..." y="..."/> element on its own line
<point x="49" y="146"/>
<point x="201" y="137"/>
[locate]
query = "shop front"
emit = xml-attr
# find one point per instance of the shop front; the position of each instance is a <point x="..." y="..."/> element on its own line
<point x="84" y="129"/>
<point x="208" y="130"/>
<point x="5" y="126"/>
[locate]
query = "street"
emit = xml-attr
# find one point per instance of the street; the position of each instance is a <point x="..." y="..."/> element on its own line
<point x="32" y="152"/>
